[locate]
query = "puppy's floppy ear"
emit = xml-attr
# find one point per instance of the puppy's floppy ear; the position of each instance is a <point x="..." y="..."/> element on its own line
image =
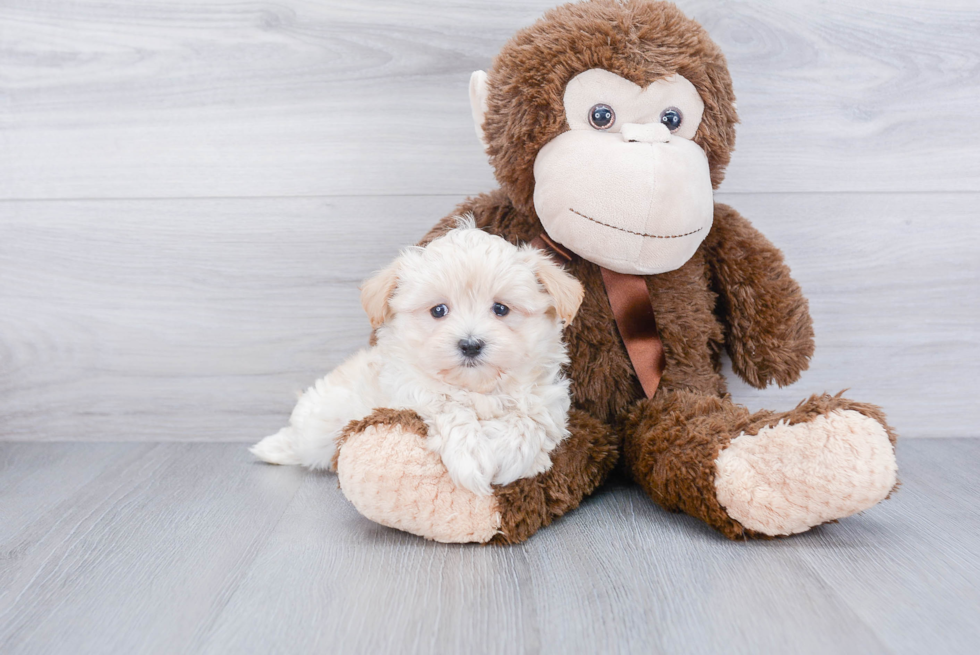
<point x="376" y="293"/>
<point x="566" y="291"/>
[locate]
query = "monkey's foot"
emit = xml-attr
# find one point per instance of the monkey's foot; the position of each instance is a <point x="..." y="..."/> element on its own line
<point x="787" y="477"/>
<point x="389" y="475"/>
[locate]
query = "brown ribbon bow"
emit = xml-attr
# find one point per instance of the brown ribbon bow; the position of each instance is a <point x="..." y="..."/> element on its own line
<point x="633" y="311"/>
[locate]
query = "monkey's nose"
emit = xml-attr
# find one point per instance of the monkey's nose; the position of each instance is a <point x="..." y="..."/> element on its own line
<point x="645" y="133"/>
<point x="470" y="347"/>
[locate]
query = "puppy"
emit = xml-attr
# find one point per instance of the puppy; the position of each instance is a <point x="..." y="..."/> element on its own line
<point x="469" y="337"/>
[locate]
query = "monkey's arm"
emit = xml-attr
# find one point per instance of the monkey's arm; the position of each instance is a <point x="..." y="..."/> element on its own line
<point x="770" y="333"/>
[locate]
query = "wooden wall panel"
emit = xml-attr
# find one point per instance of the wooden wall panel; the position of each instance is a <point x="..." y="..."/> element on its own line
<point x="199" y="319"/>
<point x="190" y="192"/>
<point x="219" y="98"/>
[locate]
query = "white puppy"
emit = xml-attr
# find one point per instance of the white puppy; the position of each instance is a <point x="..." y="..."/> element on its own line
<point x="469" y="337"/>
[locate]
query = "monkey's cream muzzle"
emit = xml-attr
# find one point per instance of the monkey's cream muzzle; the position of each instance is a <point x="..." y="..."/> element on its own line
<point x="630" y="194"/>
<point x="637" y="201"/>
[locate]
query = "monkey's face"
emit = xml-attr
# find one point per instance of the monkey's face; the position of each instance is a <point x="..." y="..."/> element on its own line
<point x="625" y="186"/>
<point x="611" y="121"/>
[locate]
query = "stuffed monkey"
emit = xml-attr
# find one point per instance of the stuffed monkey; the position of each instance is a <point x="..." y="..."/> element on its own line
<point x="608" y="125"/>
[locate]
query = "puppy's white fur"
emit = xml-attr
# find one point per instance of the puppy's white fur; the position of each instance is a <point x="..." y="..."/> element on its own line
<point x="492" y="419"/>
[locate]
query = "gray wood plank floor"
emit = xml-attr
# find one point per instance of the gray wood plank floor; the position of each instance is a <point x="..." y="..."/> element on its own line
<point x="194" y="548"/>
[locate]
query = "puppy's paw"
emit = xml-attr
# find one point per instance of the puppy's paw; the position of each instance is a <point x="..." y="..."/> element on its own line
<point x="468" y="459"/>
<point x="277" y="448"/>
<point x="466" y="471"/>
<point x="542" y="462"/>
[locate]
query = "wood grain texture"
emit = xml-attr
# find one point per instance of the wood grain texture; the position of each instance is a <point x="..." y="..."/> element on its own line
<point x="199" y="320"/>
<point x="195" y="548"/>
<point x="222" y="98"/>
<point x="141" y="556"/>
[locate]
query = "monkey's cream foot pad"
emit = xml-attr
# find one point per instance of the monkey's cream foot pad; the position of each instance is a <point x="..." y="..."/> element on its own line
<point x="391" y="478"/>
<point x="788" y="478"/>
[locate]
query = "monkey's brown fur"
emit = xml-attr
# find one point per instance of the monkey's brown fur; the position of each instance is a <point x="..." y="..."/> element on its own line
<point x="736" y="292"/>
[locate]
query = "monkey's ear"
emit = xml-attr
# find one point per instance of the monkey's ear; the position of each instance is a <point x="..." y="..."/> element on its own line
<point x="376" y="294"/>
<point x="565" y="290"/>
<point x="478" y="103"/>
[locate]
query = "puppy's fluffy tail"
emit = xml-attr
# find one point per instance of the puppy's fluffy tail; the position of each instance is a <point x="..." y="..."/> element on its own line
<point x="289" y="447"/>
<point x="278" y="448"/>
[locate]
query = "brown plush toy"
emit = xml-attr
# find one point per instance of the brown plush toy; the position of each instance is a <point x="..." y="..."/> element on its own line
<point x="608" y="125"/>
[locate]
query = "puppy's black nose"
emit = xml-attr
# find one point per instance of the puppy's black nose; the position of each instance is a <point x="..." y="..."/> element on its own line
<point x="470" y="347"/>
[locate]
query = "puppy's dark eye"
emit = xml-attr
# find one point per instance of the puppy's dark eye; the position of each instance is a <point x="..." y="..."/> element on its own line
<point x="672" y="118"/>
<point x="602" y="117"/>
<point x="439" y="311"/>
<point x="500" y="310"/>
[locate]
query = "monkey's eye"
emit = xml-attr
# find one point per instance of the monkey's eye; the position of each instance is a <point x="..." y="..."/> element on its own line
<point x="602" y="117"/>
<point x="439" y="311"/>
<point x="500" y="310"/>
<point x="672" y="118"/>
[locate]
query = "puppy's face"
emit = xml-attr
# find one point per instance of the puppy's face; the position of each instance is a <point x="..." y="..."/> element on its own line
<point x="472" y="310"/>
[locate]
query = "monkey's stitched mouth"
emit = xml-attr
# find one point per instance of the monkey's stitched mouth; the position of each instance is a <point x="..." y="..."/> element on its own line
<point x="639" y="234"/>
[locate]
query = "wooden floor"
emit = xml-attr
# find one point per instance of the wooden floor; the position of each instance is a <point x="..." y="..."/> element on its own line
<point x="194" y="548"/>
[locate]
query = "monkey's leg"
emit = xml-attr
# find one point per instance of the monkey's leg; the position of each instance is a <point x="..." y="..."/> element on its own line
<point x="579" y="465"/>
<point x="385" y="470"/>
<point x="762" y="474"/>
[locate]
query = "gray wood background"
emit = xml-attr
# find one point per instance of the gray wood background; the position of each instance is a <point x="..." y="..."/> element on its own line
<point x="191" y="191"/>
